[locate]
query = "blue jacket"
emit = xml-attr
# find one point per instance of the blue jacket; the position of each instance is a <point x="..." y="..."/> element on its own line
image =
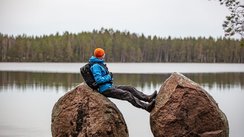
<point x="100" y="75"/>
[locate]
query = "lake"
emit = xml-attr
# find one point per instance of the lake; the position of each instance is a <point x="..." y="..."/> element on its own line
<point x="28" y="92"/>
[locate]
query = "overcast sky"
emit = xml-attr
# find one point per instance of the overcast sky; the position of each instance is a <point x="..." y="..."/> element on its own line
<point x="176" y="18"/>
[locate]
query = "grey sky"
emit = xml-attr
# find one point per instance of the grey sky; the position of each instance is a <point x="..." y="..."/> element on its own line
<point x="176" y="18"/>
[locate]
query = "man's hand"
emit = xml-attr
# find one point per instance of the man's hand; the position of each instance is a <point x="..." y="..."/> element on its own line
<point x="111" y="74"/>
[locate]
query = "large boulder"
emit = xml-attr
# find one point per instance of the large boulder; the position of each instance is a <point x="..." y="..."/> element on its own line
<point x="183" y="108"/>
<point x="82" y="112"/>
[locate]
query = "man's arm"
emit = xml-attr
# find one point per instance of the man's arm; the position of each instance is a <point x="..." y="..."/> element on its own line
<point x="97" y="73"/>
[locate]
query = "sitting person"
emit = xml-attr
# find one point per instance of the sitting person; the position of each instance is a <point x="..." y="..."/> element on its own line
<point x="104" y="79"/>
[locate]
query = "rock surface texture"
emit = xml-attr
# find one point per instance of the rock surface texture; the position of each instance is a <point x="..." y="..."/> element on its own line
<point x="82" y="112"/>
<point x="184" y="109"/>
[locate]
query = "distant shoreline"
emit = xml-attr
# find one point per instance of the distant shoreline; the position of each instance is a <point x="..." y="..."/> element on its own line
<point x="125" y="68"/>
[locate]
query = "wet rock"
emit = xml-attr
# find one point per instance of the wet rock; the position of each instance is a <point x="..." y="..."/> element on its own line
<point x="82" y="112"/>
<point x="183" y="108"/>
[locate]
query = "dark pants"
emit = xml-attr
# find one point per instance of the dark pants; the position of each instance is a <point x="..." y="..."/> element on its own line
<point x="128" y="93"/>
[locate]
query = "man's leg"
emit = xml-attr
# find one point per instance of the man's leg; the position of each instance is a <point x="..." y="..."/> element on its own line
<point x="125" y="95"/>
<point x="140" y="95"/>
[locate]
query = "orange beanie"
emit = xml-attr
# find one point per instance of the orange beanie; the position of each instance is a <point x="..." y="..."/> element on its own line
<point x="99" y="52"/>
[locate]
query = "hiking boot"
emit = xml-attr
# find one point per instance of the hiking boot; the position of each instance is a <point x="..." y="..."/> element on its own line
<point x="153" y="96"/>
<point x="150" y="106"/>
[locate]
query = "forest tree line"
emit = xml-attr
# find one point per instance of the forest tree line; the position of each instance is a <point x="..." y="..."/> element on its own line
<point x="119" y="47"/>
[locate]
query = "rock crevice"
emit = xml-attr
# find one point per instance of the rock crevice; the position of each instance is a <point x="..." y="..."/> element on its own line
<point x="82" y="112"/>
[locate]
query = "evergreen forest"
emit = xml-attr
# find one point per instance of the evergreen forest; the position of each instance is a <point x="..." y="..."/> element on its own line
<point x="119" y="47"/>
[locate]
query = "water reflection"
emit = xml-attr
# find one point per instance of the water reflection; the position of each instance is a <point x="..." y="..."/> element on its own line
<point x="28" y="79"/>
<point x="23" y="95"/>
<point x="143" y="81"/>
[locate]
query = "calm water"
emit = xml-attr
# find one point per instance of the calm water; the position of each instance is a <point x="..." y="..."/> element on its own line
<point x="27" y="98"/>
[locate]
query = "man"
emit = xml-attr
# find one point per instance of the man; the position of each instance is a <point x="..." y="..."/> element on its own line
<point x="104" y="79"/>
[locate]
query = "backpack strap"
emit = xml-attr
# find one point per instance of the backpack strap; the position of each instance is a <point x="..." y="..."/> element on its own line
<point x="106" y="69"/>
<point x="102" y="65"/>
